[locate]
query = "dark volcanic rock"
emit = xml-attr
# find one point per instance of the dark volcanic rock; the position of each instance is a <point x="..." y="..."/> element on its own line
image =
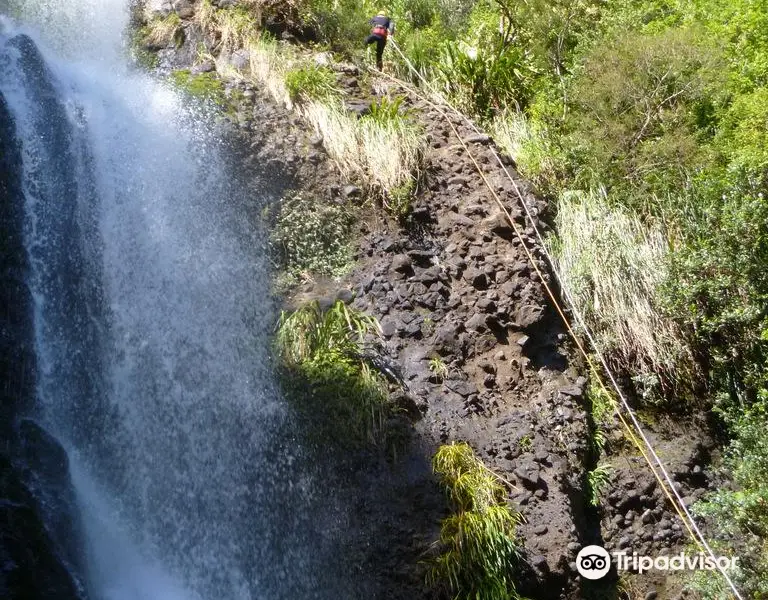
<point x="528" y="316"/>
<point x="402" y="264"/>
<point x="499" y="225"/>
<point x="30" y="565"/>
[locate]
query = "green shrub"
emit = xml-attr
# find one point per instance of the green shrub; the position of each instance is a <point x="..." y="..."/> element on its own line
<point x="415" y="14"/>
<point x="738" y="517"/>
<point x="423" y="47"/>
<point x="553" y="29"/>
<point x="328" y="375"/>
<point x="399" y="198"/>
<point x="719" y="285"/>
<point x="632" y="125"/>
<point x="341" y="24"/>
<point x="742" y="132"/>
<point x="479" y="548"/>
<point x="484" y="79"/>
<point x="741" y="26"/>
<point x="311" y="236"/>
<point x="310" y="82"/>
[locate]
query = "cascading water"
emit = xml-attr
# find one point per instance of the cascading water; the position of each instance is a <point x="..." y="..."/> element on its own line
<point x="150" y="308"/>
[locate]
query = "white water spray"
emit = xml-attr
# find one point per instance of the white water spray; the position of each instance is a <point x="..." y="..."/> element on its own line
<point x="151" y="316"/>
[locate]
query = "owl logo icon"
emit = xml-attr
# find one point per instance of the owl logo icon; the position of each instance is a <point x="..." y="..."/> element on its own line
<point x="593" y="562"/>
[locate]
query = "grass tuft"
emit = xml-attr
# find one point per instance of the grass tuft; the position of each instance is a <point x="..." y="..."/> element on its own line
<point x="614" y="266"/>
<point x="161" y="32"/>
<point x="526" y="145"/>
<point x="338" y="389"/>
<point x="205" y="16"/>
<point x="386" y="154"/>
<point x="269" y="62"/>
<point x="310" y="82"/>
<point x="479" y="547"/>
<point x="237" y="26"/>
<point x="438" y="368"/>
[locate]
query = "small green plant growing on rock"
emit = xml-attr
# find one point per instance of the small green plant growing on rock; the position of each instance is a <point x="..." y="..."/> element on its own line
<point x="597" y="480"/>
<point x="321" y="354"/>
<point x="139" y="52"/>
<point x="160" y="32"/>
<point x="387" y="110"/>
<point x="438" y="368"/>
<point x="205" y="86"/>
<point x="479" y="547"/>
<point x="398" y="201"/>
<point x="310" y="82"/>
<point x="601" y="409"/>
<point x="525" y="443"/>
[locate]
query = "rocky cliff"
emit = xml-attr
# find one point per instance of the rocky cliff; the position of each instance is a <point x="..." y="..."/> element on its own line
<point x="452" y="285"/>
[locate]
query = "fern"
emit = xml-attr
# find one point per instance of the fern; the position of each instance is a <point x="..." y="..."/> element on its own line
<point x="597" y="480"/>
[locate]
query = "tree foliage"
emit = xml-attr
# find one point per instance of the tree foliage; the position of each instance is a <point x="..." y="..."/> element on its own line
<point x="740" y="516"/>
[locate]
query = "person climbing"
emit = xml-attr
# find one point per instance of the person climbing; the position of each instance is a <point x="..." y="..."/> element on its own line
<point x="383" y="27"/>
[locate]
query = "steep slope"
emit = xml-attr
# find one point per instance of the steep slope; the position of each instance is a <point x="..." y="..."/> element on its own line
<point x="469" y="327"/>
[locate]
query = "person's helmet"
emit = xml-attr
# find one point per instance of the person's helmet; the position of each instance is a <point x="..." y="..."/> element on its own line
<point x="382" y="13"/>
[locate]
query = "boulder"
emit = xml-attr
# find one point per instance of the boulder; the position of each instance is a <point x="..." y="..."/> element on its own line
<point x="498" y="224"/>
<point x="240" y="59"/>
<point x="402" y="264"/>
<point x="529" y="315"/>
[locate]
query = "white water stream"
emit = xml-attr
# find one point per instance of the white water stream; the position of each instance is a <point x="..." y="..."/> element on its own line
<point x="151" y="313"/>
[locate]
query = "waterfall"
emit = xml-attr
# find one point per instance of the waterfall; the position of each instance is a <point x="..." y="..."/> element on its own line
<point x="151" y="314"/>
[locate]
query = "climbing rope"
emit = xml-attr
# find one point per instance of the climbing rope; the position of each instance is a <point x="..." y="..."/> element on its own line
<point x="638" y="435"/>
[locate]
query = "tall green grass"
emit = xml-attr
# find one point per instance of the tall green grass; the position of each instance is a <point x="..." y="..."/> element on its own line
<point x="326" y="371"/>
<point x="160" y="32"/>
<point x="478" y="544"/>
<point x="310" y="82"/>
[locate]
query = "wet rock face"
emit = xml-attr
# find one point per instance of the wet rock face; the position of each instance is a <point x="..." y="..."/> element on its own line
<point x="16" y="352"/>
<point x="30" y="566"/>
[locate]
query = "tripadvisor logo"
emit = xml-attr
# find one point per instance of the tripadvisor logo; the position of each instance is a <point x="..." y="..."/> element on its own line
<point x="594" y="562"/>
